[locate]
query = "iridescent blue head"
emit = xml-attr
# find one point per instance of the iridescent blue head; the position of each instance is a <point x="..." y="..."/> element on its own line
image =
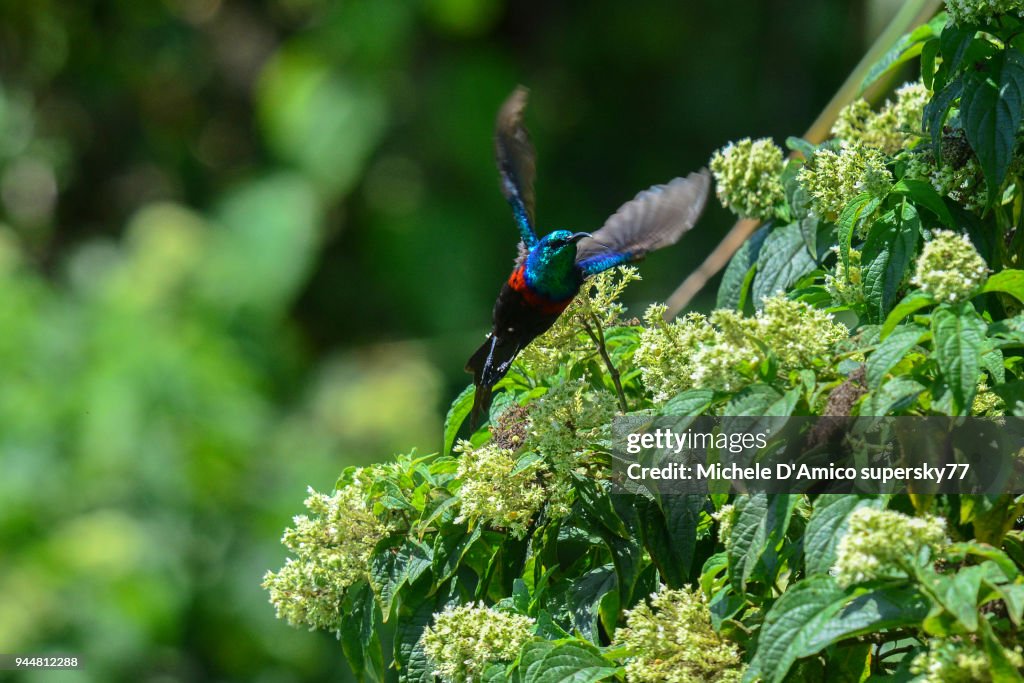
<point x="551" y="265"/>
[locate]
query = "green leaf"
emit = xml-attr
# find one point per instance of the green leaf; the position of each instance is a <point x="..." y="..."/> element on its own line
<point x="358" y="633"/>
<point x="887" y="253"/>
<point x="891" y="396"/>
<point x="826" y="527"/>
<point x="791" y="624"/>
<point x="762" y="400"/>
<point x="991" y="109"/>
<point x="387" y="572"/>
<point x="925" y="195"/>
<point x="936" y="109"/>
<point x="891" y="351"/>
<point x="585" y="596"/>
<point x="989" y="552"/>
<point x="1013" y="596"/>
<point x="595" y="499"/>
<point x="801" y="146"/>
<point x="571" y="662"/>
<point x="757" y="537"/>
<point x="689" y="403"/>
<point x="958" y="338"/>
<point x="1009" y="281"/>
<point x="906" y="48"/>
<point x="409" y="654"/>
<point x="859" y="209"/>
<point x="450" y="546"/>
<point x="738" y="275"/>
<point x="668" y="525"/>
<point x="457" y="414"/>
<point x="953" y="43"/>
<point x="958" y="593"/>
<point x="885" y="608"/>
<point x="783" y="260"/>
<point x="911" y="303"/>
<point x="1002" y="669"/>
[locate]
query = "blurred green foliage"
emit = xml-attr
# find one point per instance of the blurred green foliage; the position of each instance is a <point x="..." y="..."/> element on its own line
<point x="245" y="244"/>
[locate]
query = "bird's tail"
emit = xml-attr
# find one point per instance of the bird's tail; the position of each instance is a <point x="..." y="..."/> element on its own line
<point x="489" y="364"/>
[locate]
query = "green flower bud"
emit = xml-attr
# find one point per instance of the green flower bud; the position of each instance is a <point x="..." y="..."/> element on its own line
<point x="747" y="177"/>
<point x="949" y="268"/>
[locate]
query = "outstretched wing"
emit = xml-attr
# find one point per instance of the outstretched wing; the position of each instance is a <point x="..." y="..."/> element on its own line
<point x="516" y="162"/>
<point x="653" y="219"/>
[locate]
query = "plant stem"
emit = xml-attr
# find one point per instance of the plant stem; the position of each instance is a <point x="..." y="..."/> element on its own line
<point x="598" y="338"/>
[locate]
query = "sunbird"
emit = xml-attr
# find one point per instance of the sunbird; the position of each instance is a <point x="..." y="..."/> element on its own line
<point x="549" y="271"/>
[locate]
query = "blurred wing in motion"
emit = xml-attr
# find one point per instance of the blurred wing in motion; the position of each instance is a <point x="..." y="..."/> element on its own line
<point x="653" y="219"/>
<point x="516" y="162"/>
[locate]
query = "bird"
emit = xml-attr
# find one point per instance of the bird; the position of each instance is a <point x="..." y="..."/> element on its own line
<point x="550" y="270"/>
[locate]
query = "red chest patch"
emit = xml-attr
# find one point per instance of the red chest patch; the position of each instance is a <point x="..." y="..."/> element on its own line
<point x="517" y="281"/>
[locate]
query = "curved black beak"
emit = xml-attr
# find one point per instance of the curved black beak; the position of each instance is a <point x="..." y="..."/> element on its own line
<point x="576" y="237"/>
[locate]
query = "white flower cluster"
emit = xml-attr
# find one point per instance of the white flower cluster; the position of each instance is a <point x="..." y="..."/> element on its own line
<point x="671" y="640"/>
<point x="955" y="660"/>
<point x="833" y="179"/>
<point x="566" y="340"/>
<point x="893" y="128"/>
<point x="880" y="543"/>
<point x="465" y="640"/>
<point x="845" y="285"/>
<point x="719" y="351"/>
<point x="949" y="268"/>
<point x="747" y="177"/>
<point x="981" y="11"/>
<point x="332" y="551"/>
<point x="726" y="517"/>
<point x="499" y="489"/>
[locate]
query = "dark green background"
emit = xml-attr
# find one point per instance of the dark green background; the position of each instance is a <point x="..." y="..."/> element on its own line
<point x="243" y="245"/>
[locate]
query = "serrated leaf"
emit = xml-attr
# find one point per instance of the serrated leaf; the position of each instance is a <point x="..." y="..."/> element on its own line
<point x="1013" y="596"/>
<point x="669" y="528"/>
<point x="762" y="400"/>
<point x="409" y="654"/>
<point x="573" y="662"/>
<point x="912" y="302"/>
<point x="854" y="213"/>
<point x="739" y="273"/>
<point x="585" y="597"/>
<point x="887" y="253"/>
<point x="958" y="593"/>
<point x="925" y="195"/>
<point x="891" y="351"/>
<point x="783" y="260"/>
<point x="958" y="340"/>
<point x="1009" y="281"/>
<point x="826" y="527"/>
<point x="885" y="608"/>
<point x="791" y="624"/>
<point x="689" y="403"/>
<point x="991" y="109"/>
<point x="953" y="43"/>
<point x="891" y="395"/>
<point x="935" y="112"/>
<point x="761" y="521"/>
<point x="457" y="414"/>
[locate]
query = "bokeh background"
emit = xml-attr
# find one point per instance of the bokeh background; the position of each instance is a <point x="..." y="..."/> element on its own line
<point x="246" y="244"/>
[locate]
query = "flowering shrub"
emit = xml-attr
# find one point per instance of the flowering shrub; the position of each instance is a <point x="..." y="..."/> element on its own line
<point x="885" y="281"/>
